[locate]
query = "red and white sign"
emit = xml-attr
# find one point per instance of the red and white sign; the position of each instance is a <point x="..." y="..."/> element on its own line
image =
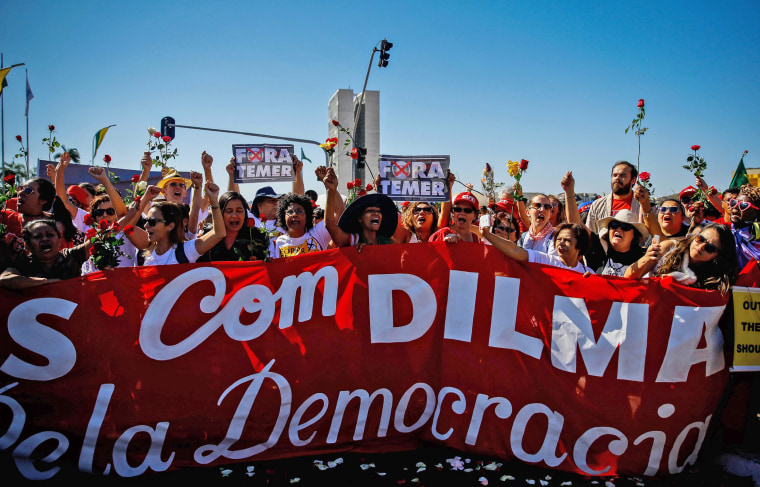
<point x="159" y="368"/>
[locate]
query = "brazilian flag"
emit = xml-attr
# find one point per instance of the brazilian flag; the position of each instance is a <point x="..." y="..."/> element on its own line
<point x="740" y="175"/>
<point x="99" y="136"/>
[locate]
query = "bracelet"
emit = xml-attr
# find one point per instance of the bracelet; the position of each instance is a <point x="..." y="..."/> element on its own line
<point x="213" y="207"/>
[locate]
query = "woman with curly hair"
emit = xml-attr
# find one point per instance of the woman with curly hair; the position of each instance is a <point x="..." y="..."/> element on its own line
<point x="705" y="259"/>
<point x="295" y="213"/>
<point x="743" y="213"/>
<point x="419" y="222"/>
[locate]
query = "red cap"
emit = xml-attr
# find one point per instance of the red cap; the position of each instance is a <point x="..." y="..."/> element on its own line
<point x="78" y="194"/>
<point x="467" y="197"/>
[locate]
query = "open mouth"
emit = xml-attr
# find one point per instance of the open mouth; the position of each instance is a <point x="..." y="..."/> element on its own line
<point x="374" y="221"/>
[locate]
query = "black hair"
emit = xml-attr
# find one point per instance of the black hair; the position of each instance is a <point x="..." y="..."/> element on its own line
<point x="61" y="214"/>
<point x="299" y="199"/>
<point x="634" y="171"/>
<point x="582" y="238"/>
<point x="26" y="232"/>
<point x="46" y="191"/>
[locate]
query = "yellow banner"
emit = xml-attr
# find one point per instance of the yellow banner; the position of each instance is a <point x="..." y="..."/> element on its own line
<point x="746" y="329"/>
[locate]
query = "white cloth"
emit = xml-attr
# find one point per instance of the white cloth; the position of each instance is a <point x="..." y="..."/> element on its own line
<point x="170" y="257"/>
<point x="314" y="240"/>
<point x="545" y="245"/>
<point x="554" y="260"/>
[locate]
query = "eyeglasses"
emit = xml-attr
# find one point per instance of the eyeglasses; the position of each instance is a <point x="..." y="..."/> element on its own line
<point x="743" y="205"/>
<point x="460" y="209"/>
<point x="174" y="184"/>
<point x="152" y="221"/>
<point x="710" y="248"/>
<point x="105" y="211"/>
<point x="539" y="206"/>
<point x="614" y="224"/>
<point x="669" y="209"/>
<point x="426" y="209"/>
<point x="555" y="204"/>
<point x="26" y="190"/>
<point x="295" y="212"/>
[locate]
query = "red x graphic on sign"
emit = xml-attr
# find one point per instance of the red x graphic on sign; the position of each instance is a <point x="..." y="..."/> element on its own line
<point x="252" y="156"/>
<point x="398" y="169"/>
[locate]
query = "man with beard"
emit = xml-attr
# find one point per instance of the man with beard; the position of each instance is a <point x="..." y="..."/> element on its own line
<point x="624" y="176"/>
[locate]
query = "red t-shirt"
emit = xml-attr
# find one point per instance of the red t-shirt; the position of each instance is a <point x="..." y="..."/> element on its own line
<point x="12" y="221"/>
<point x="442" y="232"/>
<point x="618" y="205"/>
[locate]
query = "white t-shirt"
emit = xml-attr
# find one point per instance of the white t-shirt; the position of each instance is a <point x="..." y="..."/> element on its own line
<point x="554" y="260"/>
<point x="170" y="257"/>
<point x="314" y="240"/>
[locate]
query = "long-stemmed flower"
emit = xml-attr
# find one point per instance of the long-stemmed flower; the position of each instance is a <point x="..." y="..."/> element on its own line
<point x="162" y="144"/>
<point x="636" y="124"/>
<point x="697" y="166"/>
<point x="50" y="141"/>
<point x="489" y="185"/>
<point x="107" y="239"/>
<point x="516" y="169"/>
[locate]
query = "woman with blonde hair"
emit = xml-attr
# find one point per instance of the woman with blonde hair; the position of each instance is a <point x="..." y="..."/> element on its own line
<point x="419" y="221"/>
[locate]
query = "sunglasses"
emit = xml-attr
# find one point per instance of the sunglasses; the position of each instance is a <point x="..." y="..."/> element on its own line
<point x="152" y="221"/>
<point x="743" y="205"/>
<point x="27" y="190"/>
<point x="686" y="200"/>
<point x="710" y="248"/>
<point x="506" y="230"/>
<point x="614" y="225"/>
<point x="539" y="206"/>
<point x="174" y="184"/>
<point x="669" y="209"/>
<point x="459" y="209"/>
<point x="106" y="211"/>
<point x="426" y="209"/>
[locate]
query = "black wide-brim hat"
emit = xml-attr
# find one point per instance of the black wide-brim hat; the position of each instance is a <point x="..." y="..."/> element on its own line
<point x="349" y="220"/>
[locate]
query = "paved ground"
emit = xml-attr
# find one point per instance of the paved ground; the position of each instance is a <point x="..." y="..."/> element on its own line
<point x="431" y="466"/>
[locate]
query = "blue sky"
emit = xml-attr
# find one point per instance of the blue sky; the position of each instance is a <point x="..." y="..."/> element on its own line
<point x="554" y="82"/>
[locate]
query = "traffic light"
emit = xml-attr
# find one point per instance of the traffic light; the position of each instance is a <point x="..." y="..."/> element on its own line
<point x="165" y="128"/>
<point x="384" y="47"/>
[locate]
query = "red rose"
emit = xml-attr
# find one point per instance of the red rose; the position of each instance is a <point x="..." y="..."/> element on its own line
<point x="103" y="225"/>
<point x="523" y="165"/>
<point x="10" y="179"/>
<point x="51" y="127"/>
<point x="157" y="135"/>
<point x="137" y="200"/>
<point x="357" y="182"/>
<point x="362" y="193"/>
<point x="488" y="167"/>
<point x="129" y="230"/>
<point x="263" y="217"/>
<point x="251" y="222"/>
<point x="350" y="185"/>
<point x="91" y="251"/>
<point x="354" y="153"/>
<point x="91" y="233"/>
<point x="136" y="178"/>
<point x="695" y="147"/>
<point x="641" y="103"/>
<point x="644" y="176"/>
<point x="334" y="139"/>
<point x="336" y="123"/>
<point x="107" y="158"/>
<point x="745" y="151"/>
<point x="166" y="138"/>
<point x="369" y="187"/>
<point x="18" y="137"/>
<point x="88" y="219"/>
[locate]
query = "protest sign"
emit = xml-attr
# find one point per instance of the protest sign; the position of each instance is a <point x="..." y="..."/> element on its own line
<point x="746" y="329"/>
<point x="414" y="178"/>
<point x="263" y="162"/>
<point x="132" y="370"/>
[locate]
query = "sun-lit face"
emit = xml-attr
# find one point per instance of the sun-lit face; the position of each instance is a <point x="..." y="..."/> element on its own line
<point x="705" y="246"/>
<point x="175" y="190"/>
<point x="670" y="217"/>
<point x="29" y="202"/>
<point x="505" y="230"/>
<point x="295" y="220"/>
<point x="749" y="214"/>
<point x="462" y="216"/>
<point x="539" y="211"/>
<point x="422" y="216"/>
<point x="620" y="235"/>
<point x="554" y="217"/>
<point x="104" y="211"/>
<point x="234" y="215"/>
<point x="44" y="242"/>
<point x="157" y="228"/>
<point x="567" y="246"/>
<point x="622" y="180"/>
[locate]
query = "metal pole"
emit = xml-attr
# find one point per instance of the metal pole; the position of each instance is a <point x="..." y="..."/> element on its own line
<point x="2" y="124"/>
<point x="27" y="130"/>
<point x="305" y="141"/>
<point x="361" y="101"/>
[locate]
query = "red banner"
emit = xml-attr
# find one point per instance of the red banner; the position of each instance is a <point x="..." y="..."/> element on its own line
<point x="166" y="367"/>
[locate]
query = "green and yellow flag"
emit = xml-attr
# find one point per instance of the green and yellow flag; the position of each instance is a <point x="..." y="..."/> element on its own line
<point x="3" y="73"/>
<point x="99" y="136"/>
<point x="740" y="175"/>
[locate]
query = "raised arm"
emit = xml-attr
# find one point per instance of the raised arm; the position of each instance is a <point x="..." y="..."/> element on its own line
<point x="650" y="219"/>
<point x="571" y="206"/>
<point x="333" y="209"/>
<point x="231" y="184"/>
<point x="147" y="164"/>
<point x="711" y="197"/>
<point x="507" y="247"/>
<point x="102" y="177"/>
<point x="521" y="209"/>
<point x="196" y="202"/>
<point x="56" y="175"/>
<point x="205" y="242"/>
<point x="298" y="186"/>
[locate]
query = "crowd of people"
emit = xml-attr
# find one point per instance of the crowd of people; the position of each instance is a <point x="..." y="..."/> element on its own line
<point x="701" y="239"/>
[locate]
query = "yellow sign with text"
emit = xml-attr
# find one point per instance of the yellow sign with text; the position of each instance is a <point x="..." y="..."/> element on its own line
<point x="746" y="329"/>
